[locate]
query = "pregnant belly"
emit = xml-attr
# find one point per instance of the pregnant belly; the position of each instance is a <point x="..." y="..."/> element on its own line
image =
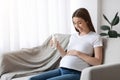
<point x="73" y="62"/>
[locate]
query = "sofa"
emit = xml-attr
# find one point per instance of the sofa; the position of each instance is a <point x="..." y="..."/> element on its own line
<point x="110" y="69"/>
<point x="24" y="63"/>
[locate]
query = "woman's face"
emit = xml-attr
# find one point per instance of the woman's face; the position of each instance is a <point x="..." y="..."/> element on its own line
<point x="80" y="24"/>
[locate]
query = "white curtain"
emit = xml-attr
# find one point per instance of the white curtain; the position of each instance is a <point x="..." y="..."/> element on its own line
<point x="27" y="23"/>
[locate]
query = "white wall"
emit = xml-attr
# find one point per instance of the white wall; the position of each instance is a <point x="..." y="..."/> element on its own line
<point x="97" y="8"/>
<point x="109" y="8"/>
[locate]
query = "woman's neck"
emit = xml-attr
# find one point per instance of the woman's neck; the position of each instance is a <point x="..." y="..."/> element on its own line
<point x="84" y="33"/>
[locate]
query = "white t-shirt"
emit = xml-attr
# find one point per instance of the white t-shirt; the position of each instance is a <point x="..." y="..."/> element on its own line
<point x="85" y="44"/>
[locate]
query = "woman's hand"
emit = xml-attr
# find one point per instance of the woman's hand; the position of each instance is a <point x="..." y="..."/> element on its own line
<point x="54" y="43"/>
<point x="72" y="52"/>
<point x="58" y="47"/>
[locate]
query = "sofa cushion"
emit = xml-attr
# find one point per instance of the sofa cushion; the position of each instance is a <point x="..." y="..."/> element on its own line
<point x="23" y="78"/>
<point x="111" y="50"/>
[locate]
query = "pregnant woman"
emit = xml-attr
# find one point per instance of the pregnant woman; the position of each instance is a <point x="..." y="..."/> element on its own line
<point x="84" y="49"/>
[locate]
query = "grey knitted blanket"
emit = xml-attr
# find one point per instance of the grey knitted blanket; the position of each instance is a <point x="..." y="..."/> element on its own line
<point x="31" y="61"/>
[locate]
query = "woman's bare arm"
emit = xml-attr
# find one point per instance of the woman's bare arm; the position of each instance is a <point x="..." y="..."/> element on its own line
<point x="61" y="50"/>
<point x="59" y="47"/>
<point x="95" y="60"/>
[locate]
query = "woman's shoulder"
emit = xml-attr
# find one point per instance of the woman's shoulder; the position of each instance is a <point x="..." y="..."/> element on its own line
<point x="94" y="34"/>
<point x="74" y="34"/>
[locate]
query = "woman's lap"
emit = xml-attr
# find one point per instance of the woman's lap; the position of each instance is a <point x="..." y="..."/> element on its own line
<point x="57" y="74"/>
<point x="66" y="77"/>
<point x="46" y="75"/>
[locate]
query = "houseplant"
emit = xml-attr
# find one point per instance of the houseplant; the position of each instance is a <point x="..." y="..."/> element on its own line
<point x="109" y="28"/>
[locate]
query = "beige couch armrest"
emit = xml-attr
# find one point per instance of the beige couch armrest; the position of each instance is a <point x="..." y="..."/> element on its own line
<point x="102" y="72"/>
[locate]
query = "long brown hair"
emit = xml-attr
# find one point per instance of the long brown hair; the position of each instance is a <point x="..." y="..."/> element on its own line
<point x="84" y="14"/>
